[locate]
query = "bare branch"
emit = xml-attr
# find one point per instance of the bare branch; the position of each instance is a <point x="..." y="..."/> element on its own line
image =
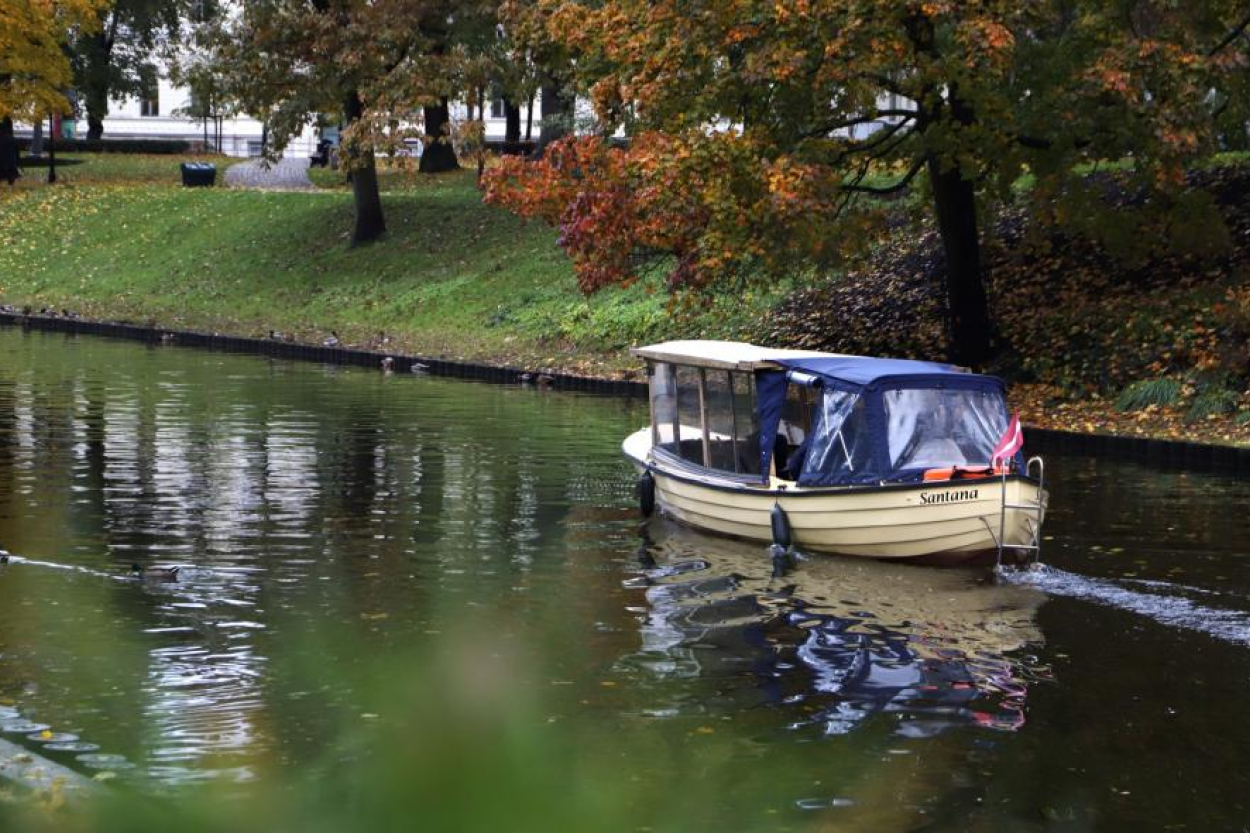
<point x="858" y="188"/>
<point x="880" y="138"/>
<point x="1038" y="143"/>
<point x="867" y="118"/>
<point x="1231" y="36"/>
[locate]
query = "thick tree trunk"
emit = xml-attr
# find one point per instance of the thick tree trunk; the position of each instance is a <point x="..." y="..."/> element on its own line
<point x="512" y="127"/>
<point x="96" y="84"/>
<point x="36" y="140"/>
<point x="370" y="224"/>
<point x="8" y="152"/>
<point x="437" y="154"/>
<point x="955" y="203"/>
<point x="954" y="198"/>
<point x="556" y="110"/>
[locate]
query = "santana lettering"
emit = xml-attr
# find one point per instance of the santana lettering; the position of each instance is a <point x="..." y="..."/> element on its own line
<point x="950" y="497"/>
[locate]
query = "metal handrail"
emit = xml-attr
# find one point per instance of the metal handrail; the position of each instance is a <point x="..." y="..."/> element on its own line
<point x="1038" y="508"/>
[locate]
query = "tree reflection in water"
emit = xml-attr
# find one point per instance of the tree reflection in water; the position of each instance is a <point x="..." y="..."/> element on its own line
<point x="837" y="641"/>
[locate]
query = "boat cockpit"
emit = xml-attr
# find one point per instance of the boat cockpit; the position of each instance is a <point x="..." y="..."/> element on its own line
<point x="815" y="419"/>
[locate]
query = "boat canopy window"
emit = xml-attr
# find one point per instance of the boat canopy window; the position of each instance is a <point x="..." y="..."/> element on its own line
<point x="937" y="428"/>
<point x="840" y="443"/>
<point x="878" y="421"/>
<point x="705" y="416"/>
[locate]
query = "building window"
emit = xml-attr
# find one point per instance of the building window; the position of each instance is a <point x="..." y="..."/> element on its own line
<point x="496" y="107"/>
<point x="149" y="93"/>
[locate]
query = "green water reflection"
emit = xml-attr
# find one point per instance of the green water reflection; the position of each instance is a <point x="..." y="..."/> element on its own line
<point x="450" y="578"/>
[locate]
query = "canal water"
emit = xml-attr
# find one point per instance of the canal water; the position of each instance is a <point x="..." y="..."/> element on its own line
<point x="452" y="578"/>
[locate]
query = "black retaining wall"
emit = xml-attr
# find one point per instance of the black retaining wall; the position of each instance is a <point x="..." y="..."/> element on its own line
<point x="1164" y="453"/>
<point x="316" y="353"/>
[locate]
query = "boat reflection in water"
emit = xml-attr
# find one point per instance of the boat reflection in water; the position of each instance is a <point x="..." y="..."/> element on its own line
<point x="837" y="640"/>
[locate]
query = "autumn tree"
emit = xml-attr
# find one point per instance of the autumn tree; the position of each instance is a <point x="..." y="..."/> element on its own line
<point x="387" y="68"/>
<point x="768" y="137"/>
<point x="118" y="59"/>
<point x="547" y="67"/>
<point x="34" y="72"/>
<point x="197" y="66"/>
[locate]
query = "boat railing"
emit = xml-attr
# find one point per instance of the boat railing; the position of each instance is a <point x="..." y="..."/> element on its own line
<point x="1034" y="508"/>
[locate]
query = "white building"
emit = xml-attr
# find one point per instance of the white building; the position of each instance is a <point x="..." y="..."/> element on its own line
<point x="159" y="114"/>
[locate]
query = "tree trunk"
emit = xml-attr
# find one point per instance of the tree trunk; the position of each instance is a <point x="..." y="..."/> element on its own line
<point x="370" y="224"/>
<point x="481" y="146"/>
<point x="8" y="152"/>
<point x="512" y="126"/>
<point x="955" y="203"/>
<point x="529" y="119"/>
<point x="556" y="110"/>
<point x="51" y="150"/>
<point x="954" y="198"/>
<point x="437" y="154"/>
<point x="96" y="83"/>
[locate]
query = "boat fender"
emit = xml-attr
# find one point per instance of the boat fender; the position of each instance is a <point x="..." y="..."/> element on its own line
<point x="646" y="494"/>
<point x="781" y="527"/>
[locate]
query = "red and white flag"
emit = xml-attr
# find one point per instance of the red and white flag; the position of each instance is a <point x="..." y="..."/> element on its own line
<point x="1011" y="442"/>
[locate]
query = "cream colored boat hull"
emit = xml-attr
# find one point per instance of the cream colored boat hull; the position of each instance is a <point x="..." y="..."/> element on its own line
<point x="950" y="520"/>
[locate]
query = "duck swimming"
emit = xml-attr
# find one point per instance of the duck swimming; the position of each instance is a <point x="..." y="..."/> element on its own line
<point x="155" y="573"/>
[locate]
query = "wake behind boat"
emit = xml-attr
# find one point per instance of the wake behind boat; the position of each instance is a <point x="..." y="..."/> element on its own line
<point x="885" y="458"/>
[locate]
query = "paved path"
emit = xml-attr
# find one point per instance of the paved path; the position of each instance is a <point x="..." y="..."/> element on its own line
<point x="283" y="175"/>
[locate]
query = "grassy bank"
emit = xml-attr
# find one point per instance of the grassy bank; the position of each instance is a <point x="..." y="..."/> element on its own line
<point x="452" y="278"/>
<point x="1153" y="345"/>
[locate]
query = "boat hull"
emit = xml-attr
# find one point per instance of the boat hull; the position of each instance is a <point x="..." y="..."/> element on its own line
<point x="948" y="521"/>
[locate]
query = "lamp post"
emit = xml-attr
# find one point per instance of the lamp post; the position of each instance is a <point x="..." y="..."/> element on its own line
<point x="51" y="150"/>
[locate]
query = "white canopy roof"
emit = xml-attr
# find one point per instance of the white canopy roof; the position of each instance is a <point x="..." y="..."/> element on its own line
<point x="726" y="355"/>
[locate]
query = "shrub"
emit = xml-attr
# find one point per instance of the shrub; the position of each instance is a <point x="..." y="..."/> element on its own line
<point x="158" y="146"/>
<point x="1141" y="394"/>
<point x="1213" y="401"/>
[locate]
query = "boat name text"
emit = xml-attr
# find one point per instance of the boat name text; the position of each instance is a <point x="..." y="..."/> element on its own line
<point x="949" y="497"/>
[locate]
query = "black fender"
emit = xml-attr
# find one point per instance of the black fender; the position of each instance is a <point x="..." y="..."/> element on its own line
<point x="782" y="535"/>
<point x="646" y="494"/>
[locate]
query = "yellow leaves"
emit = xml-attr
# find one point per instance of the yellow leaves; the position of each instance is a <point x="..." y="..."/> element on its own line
<point x="32" y="33"/>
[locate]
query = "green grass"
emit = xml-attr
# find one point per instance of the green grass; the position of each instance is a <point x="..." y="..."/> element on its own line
<point x="390" y="179"/>
<point x="451" y="278"/>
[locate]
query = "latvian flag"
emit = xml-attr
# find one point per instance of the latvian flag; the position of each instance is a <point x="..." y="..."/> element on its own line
<point x="1011" y="442"/>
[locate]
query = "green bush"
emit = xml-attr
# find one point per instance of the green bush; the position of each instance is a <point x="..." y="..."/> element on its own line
<point x="1213" y="402"/>
<point x="1141" y="394"/>
<point x="157" y="146"/>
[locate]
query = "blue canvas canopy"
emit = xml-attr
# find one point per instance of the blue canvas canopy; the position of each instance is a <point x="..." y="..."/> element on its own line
<point x="881" y="420"/>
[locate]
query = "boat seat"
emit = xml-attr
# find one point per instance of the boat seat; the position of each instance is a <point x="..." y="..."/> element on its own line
<point x="936" y="453"/>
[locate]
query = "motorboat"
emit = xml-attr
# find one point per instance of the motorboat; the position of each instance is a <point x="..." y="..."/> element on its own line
<point x="861" y="456"/>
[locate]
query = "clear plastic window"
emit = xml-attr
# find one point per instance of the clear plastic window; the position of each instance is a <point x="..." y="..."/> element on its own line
<point x="729" y="400"/>
<point x="690" y="437"/>
<point x="937" y="428"/>
<point x="663" y="403"/>
<point x="839" y="445"/>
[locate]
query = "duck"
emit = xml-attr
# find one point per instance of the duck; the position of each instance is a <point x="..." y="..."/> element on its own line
<point x="388" y="365"/>
<point x="331" y="340"/>
<point x="155" y="572"/>
<point x="168" y="338"/>
<point x="418" y="367"/>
